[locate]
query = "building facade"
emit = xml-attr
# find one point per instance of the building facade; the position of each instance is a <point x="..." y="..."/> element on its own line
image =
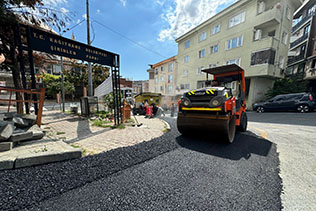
<point x="254" y="34"/>
<point x="140" y="87"/>
<point x="163" y="79"/>
<point x="302" y="51"/>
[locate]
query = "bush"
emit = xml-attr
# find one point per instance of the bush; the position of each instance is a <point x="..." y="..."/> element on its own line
<point x="287" y="86"/>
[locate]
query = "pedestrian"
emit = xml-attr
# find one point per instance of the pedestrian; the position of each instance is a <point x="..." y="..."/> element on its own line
<point x="147" y="109"/>
<point x="173" y="108"/>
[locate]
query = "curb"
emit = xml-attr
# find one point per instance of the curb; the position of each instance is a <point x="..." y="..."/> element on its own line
<point x="167" y="126"/>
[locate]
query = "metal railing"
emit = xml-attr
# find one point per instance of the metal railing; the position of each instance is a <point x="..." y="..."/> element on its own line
<point x="302" y="22"/>
<point x="295" y="59"/>
<point x="299" y="40"/>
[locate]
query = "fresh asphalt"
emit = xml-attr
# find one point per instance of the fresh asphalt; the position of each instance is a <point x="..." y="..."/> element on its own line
<point x="171" y="172"/>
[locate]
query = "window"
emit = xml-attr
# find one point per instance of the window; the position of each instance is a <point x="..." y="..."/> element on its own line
<point x="162" y="78"/>
<point x="263" y="57"/>
<point x="186" y="59"/>
<point x="212" y="65"/>
<point x="57" y="69"/>
<point x="235" y="42"/>
<point x="312" y="10"/>
<point x="156" y="89"/>
<point x="216" y="29"/>
<point x="233" y="61"/>
<point x="314" y="63"/>
<point x="49" y="69"/>
<point x="170" y="67"/>
<point x="214" y="49"/>
<point x="202" y="36"/>
<point x="184" y="86"/>
<point x="238" y="19"/>
<point x="199" y="70"/>
<point x="288" y="13"/>
<point x="185" y="73"/>
<point x="281" y="62"/>
<point x="156" y="71"/>
<point x="162" y="68"/>
<point x="187" y="44"/>
<point x="170" y="79"/>
<point x="261" y="7"/>
<point x="169" y="89"/>
<point x="37" y="70"/>
<point x="284" y="38"/>
<point x="200" y="84"/>
<point x="271" y="33"/>
<point x="161" y="88"/>
<point x="156" y="80"/>
<point x="307" y="29"/>
<point x="202" y="53"/>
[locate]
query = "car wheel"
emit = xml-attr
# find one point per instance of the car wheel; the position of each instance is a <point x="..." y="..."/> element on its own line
<point x="303" y="108"/>
<point x="260" y="109"/>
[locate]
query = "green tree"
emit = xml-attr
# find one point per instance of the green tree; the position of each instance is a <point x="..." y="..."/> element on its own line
<point x="53" y="85"/>
<point x="13" y="12"/>
<point x="287" y="86"/>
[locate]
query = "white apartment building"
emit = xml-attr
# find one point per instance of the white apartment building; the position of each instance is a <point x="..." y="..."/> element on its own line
<point x="251" y="33"/>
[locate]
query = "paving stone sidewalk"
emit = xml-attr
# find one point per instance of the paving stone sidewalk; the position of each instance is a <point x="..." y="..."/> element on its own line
<point x="78" y="131"/>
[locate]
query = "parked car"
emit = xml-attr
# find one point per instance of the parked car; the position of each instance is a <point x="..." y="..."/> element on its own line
<point x="301" y="102"/>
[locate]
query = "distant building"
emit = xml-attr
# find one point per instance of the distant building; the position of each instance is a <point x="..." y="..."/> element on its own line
<point x="163" y="80"/>
<point x="252" y="34"/>
<point x="140" y="87"/>
<point x="302" y="53"/>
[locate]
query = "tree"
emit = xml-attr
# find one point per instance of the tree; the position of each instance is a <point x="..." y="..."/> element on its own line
<point x="287" y="86"/>
<point x="13" y="12"/>
<point x="53" y="85"/>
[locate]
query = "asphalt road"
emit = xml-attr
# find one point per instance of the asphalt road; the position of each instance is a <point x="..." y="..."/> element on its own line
<point x="169" y="173"/>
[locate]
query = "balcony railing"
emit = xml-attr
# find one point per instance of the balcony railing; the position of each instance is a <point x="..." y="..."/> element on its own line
<point x="295" y="59"/>
<point x="299" y="40"/>
<point x="302" y="22"/>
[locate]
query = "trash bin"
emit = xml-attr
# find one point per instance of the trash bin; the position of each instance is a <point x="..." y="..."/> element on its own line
<point x="89" y="105"/>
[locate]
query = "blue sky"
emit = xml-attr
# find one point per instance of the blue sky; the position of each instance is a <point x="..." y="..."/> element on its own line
<point x="153" y="24"/>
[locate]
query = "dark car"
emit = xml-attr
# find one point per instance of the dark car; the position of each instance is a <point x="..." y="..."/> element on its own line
<point x="301" y="102"/>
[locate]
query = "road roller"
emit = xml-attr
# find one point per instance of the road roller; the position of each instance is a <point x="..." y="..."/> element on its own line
<point x="218" y="109"/>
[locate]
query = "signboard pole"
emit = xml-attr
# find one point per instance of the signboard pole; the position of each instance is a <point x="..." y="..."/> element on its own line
<point x="62" y="83"/>
<point x="22" y="70"/>
<point x="30" y="52"/>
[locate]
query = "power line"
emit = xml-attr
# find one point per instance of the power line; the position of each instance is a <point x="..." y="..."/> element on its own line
<point x="127" y="38"/>
<point x="68" y="29"/>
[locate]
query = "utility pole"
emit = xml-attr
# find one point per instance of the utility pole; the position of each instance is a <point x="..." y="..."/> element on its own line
<point x="90" y="88"/>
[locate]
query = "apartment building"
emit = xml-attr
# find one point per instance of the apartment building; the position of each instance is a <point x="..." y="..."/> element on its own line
<point x="162" y="79"/>
<point x="140" y="87"/>
<point x="302" y="53"/>
<point x="251" y="33"/>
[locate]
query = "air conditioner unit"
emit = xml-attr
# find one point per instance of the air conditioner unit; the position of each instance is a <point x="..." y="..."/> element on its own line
<point x="258" y="34"/>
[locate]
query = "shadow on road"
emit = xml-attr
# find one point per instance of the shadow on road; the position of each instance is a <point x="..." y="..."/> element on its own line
<point x="244" y="145"/>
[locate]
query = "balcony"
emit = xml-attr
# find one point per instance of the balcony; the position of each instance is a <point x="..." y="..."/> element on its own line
<point x="295" y="59"/>
<point x="266" y="42"/>
<point x="299" y="41"/>
<point x="302" y="22"/>
<point x="271" y="16"/>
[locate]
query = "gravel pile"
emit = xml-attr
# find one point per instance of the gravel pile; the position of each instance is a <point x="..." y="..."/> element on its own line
<point x="23" y="188"/>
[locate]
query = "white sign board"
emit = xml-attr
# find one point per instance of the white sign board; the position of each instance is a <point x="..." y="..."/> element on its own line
<point x="105" y="88"/>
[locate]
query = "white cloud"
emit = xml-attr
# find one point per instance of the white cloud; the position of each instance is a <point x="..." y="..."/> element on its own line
<point x="84" y="16"/>
<point x="123" y="2"/>
<point x="187" y="14"/>
<point x="78" y="21"/>
<point x="98" y="11"/>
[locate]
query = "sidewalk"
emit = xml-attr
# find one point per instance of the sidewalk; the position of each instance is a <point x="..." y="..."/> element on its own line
<point x="79" y="132"/>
